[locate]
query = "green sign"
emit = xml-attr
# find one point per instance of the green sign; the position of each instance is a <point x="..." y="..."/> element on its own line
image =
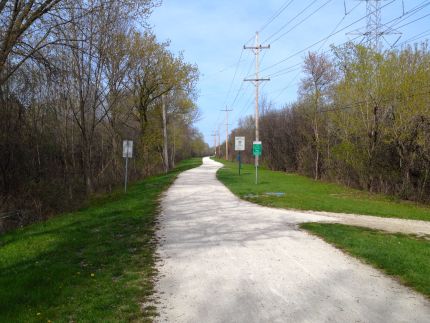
<point x="257" y="148"/>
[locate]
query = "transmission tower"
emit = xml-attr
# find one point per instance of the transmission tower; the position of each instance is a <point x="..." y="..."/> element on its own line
<point x="373" y="26"/>
<point x="375" y="31"/>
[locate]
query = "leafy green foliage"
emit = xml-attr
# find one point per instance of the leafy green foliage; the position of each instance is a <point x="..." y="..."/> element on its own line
<point x="362" y="118"/>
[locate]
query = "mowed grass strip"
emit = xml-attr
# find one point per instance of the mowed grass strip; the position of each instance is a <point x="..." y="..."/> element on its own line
<point x="403" y="256"/>
<point x="95" y="265"/>
<point x="307" y="194"/>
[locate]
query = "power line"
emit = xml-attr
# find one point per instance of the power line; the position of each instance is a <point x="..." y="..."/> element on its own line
<point x="288" y="85"/>
<point x="338" y="24"/>
<point x="410" y="22"/>
<point x="413" y="38"/>
<point x="234" y="76"/>
<point x="244" y="108"/>
<point x="287" y="70"/>
<point x="302" y="21"/>
<point x="290" y="21"/>
<point x="358" y="103"/>
<point x="319" y="41"/>
<point x="292" y="68"/>
<point x="407" y="14"/>
<point x="335" y="31"/>
<point x="276" y="15"/>
<point x="410" y="12"/>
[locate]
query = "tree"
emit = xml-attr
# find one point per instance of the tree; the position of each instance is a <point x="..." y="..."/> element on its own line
<point x="23" y="32"/>
<point x="319" y="77"/>
<point x="71" y="97"/>
<point x="158" y="75"/>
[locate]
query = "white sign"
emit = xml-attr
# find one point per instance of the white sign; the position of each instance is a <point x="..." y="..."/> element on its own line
<point x="239" y="143"/>
<point x="127" y="148"/>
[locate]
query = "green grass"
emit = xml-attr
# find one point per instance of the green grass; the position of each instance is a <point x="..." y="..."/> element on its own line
<point x="405" y="257"/>
<point x="306" y="194"/>
<point x="96" y="264"/>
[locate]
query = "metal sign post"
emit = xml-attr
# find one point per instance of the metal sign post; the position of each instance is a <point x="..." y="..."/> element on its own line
<point x="256" y="151"/>
<point x="239" y="145"/>
<point x="127" y="152"/>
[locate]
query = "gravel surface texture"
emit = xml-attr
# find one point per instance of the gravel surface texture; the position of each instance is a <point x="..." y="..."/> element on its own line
<point x="227" y="260"/>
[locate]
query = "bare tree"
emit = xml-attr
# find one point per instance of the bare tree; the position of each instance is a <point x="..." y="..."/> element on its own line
<point x="23" y="33"/>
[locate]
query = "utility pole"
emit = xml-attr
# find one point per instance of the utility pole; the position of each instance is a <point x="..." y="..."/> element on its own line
<point x="256" y="49"/>
<point x="219" y="142"/>
<point x="165" y="137"/>
<point x="214" y="135"/>
<point x="172" y="155"/>
<point x="226" y="131"/>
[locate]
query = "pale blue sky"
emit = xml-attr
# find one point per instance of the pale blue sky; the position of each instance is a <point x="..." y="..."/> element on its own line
<point x="211" y="34"/>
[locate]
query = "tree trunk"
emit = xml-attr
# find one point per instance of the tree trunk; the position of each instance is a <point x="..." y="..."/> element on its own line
<point x="86" y="166"/>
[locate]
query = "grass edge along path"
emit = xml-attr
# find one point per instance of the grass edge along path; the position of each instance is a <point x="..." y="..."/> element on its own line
<point x="94" y="265"/>
<point x="402" y="256"/>
<point x="303" y="193"/>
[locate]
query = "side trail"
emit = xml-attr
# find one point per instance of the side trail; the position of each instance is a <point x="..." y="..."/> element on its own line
<point x="227" y="260"/>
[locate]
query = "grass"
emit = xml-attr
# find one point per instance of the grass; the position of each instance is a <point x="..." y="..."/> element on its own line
<point x="405" y="257"/>
<point x="307" y="194"/>
<point x="96" y="264"/>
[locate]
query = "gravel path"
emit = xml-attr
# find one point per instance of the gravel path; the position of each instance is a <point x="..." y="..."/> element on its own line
<point x="227" y="260"/>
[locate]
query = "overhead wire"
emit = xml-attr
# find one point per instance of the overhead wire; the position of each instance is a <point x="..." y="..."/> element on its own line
<point x="288" y="85"/>
<point x="338" y="24"/>
<point x="358" y="103"/>
<point x="277" y="14"/>
<point x="406" y="15"/>
<point x="283" y="7"/>
<point x="241" y="91"/>
<point x="415" y="20"/>
<point x="335" y="31"/>
<point x="242" y="83"/>
<point x="289" y="69"/>
<point x="320" y="41"/>
<point x="301" y="21"/>
<point x="234" y="76"/>
<point x="290" y="21"/>
<point x="413" y="38"/>
<point x="298" y="65"/>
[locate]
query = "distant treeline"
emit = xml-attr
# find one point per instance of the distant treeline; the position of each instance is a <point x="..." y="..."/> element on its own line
<point x="76" y="78"/>
<point x="362" y="118"/>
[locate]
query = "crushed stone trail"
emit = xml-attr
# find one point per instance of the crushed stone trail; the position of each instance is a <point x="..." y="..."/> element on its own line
<point x="226" y="260"/>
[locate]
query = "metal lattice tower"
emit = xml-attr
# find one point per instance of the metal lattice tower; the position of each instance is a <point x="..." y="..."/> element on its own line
<point x="373" y="26"/>
<point x="375" y="31"/>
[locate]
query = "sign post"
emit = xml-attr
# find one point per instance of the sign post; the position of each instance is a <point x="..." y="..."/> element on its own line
<point x="127" y="152"/>
<point x="256" y="151"/>
<point x="239" y="145"/>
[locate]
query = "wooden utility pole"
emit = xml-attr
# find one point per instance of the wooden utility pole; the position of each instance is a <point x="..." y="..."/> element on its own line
<point x="219" y="142"/>
<point x="173" y="152"/>
<point x="165" y="138"/>
<point x="226" y="131"/>
<point x="257" y="48"/>
<point x="214" y="135"/>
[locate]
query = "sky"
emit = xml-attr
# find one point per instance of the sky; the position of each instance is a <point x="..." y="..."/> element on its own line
<point x="212" y="33"/>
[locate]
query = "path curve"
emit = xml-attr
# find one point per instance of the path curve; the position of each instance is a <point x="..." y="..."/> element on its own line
<point x="227" y="260"/>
